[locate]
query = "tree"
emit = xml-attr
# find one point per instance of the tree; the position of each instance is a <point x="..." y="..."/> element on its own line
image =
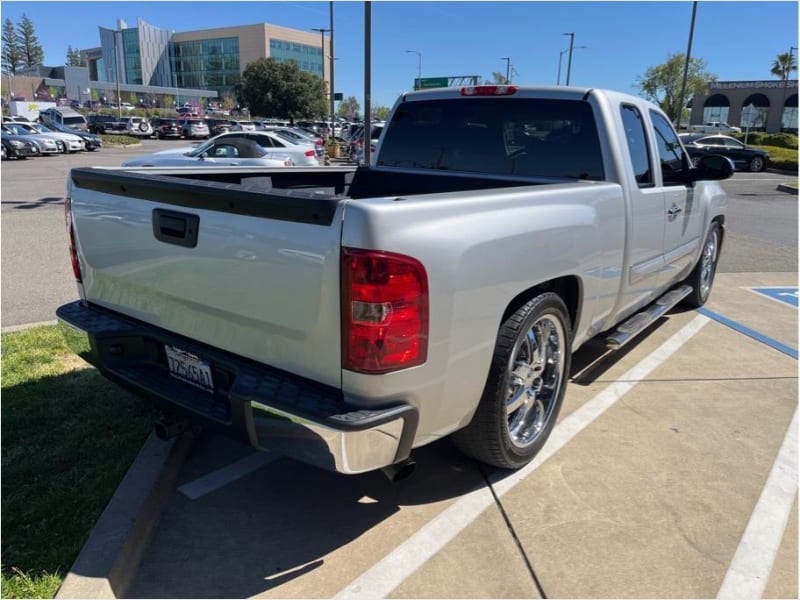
<point x="662" y="83"/>
<point x="227" y="101"/>
<point x="32" y="52"/>
<point x="380" y="112"/>
<point x="348" y="107"/>
<point x="497" y="79"/>
<point x="280" y="89"/>
<point x="74" y="57"/>
<point x="783" y="65"/>
<point x="12" y="49"/>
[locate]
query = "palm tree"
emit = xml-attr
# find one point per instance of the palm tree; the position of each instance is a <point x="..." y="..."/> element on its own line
<point x="783" y="65"/>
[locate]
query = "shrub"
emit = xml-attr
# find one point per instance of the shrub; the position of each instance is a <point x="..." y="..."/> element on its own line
<point x="784" y="159"/>
<point x="776" y="140"/>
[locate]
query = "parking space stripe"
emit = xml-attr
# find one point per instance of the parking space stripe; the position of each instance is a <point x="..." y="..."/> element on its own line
<point x="752" y="333"/>
<point x="222" y="477"/>
<point x="388" y="573"/>
<point x="749" y="572"/>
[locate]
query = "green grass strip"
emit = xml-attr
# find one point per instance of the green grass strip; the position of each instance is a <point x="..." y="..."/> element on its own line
<point x="68" y="437"/>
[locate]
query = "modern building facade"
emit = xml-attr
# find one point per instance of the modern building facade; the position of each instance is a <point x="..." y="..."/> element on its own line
<point x="775" y="104"/>
<point x="211" y="59"/>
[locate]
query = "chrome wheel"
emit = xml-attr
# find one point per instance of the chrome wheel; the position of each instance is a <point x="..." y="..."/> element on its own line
<point x="536" y="372"/>
<point x="708" y="262"/>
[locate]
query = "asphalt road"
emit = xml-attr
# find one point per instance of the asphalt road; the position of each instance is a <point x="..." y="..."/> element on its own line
<point x="36" y="275"/>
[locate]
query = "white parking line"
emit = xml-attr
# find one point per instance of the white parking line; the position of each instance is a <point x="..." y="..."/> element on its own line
<point x="388" y="573"/>
<point x="749" y="572"/>
<point x="221" y="477"/>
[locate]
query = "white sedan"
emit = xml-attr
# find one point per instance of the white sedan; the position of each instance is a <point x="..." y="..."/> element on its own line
<point x="225" y="149"/>
<point x="73" y="143"/>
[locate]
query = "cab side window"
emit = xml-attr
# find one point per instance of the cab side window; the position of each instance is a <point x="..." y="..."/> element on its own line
<point x="637" y="145"/>
<point x="670" y="152"/>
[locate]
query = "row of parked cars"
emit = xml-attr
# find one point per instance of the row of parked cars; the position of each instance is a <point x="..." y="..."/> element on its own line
<point x="22" y="139"/>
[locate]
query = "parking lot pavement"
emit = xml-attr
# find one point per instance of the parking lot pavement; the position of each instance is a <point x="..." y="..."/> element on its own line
<point x="665" y="460"/>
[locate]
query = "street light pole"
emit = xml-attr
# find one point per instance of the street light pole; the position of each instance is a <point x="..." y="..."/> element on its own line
<point x="333" y="88"/>
<point x="560" y="56"/>
<point x="786" y="83"/>
<point x="681" y="103"/>
<point x="508" y="68"/>
<point x="116" y="73"/>
<point x="569" y="61"/>
<point x="419" y="65"/>
<point x="322" y="32"/>
<point x="367" y="79"/>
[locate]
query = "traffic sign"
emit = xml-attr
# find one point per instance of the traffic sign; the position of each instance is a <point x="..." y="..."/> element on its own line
<point x="426" y="83"/>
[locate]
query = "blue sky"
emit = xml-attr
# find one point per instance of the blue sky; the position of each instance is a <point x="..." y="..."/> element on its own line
<point x="739" y="40"/>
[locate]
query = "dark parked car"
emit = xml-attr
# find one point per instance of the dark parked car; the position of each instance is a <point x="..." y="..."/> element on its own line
<point x="166" y="128"/>
<point x="743" y="157"/>
<point x="104" y="124"/>
<point x="217" y="126"/>
<point x="91" y="141"/>
<point x="16" y="147"/>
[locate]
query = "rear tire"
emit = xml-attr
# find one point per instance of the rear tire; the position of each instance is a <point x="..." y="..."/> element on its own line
<point x="525" y="387"/>
<point x="757" y="164"/>
<point x="702" y="277"/>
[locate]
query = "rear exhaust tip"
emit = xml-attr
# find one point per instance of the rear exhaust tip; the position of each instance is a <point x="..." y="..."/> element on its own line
<point x="166" y="429"/>
<point x="399" y="471"/>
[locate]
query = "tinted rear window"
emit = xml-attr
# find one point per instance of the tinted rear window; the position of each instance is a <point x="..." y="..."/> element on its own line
<point x="503" y="136"/>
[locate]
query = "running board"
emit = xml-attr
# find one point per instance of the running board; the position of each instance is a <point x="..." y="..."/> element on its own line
<point x="642" y="320"/>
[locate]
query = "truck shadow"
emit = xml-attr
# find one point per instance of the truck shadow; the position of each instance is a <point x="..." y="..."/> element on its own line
<point x="41" y="202"/>
<point x="278" y="525"/>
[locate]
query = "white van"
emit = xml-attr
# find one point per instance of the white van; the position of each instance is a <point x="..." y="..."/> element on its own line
<point x="62" y="115"/>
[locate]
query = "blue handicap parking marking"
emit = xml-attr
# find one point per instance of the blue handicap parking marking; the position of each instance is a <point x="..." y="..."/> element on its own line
<point x="784" y="294"/>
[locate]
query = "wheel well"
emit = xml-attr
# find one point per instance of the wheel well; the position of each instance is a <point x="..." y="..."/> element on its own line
<point x="568" y="288"/>
<point x="721" y="220"/>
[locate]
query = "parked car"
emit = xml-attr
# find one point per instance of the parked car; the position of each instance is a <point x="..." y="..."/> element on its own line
<point x="17" y="119"/>
<point x="296" y="135"/>
<point x="91" y="141"/>
<point x="72" y="141"/>
<point x="15" y="146"/>
<point x="62" y="115"/>
<point x="193" y="128"/>
<point x="357" y="141"/>
<point x="237" y="125"/>
<point x="218" y="126"/>
<point x="45" y="144"/>
<point x="104" y="124"/>
<point x="226" y="149"/>
<point x="743" y="157"/>
<point x="302" y="153"/>
<point x="166" y="128"/>
<point x="137" y="126"/>
<point x="714" y="127"/>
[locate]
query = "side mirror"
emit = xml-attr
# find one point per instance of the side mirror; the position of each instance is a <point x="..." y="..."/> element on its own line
<point x="712" y="167"/>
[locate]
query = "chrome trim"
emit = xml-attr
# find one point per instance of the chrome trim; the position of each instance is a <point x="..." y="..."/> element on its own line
<point x="645" y="268"/>
<point x="346" y="452"/>
<point x="677" y="253"/>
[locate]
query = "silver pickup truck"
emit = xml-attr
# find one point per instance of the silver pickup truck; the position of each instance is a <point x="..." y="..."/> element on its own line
<point x="343" y="316"/>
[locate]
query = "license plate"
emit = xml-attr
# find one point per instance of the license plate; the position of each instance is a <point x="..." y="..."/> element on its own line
<point x="189" y="368"/>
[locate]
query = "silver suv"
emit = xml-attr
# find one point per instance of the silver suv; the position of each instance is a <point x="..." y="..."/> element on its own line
<point x="138" y="126"/>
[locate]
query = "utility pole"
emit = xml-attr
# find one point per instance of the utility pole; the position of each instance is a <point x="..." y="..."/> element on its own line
<point x="322" y="32"/>
<point x="333" y="88"/>
<point x="569" y="60"/>
<point x="508" y="68"/>
<point x="681" y="98"/>
<point x="367" y="79"/>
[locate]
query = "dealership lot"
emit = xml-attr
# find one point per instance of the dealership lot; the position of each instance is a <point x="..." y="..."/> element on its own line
<point x="663" y="455"/>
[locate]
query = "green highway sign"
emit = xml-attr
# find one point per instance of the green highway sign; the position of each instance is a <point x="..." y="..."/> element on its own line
<point x="426" y="83"/>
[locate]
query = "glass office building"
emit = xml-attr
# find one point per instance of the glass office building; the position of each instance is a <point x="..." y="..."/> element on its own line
<point x="212" y="59"/>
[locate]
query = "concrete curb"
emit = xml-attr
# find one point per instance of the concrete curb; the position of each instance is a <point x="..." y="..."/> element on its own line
<point x="786" y="188"/>
<point x="15" y="328"/>
<point x="109" y="559"/>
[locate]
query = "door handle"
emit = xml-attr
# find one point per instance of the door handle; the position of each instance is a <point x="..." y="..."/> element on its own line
<point x="674" y="210"/>
<point x="176" y="228"/>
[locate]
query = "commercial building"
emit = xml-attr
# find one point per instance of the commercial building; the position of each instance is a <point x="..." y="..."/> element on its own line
<point x="775" y="104"/>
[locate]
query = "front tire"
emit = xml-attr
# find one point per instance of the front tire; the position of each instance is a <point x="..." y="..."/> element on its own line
<point x="525" y="387"/>
<point x="702" y="277"/>
<point x="757" y="164"/>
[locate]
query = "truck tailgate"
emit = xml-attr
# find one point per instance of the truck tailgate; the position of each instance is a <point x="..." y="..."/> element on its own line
<point x="249" y="270"/>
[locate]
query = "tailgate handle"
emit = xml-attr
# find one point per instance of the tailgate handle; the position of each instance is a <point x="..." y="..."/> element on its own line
<point x="176" y="228"/>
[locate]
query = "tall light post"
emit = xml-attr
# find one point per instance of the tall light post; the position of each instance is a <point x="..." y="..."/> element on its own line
<point x="786" y="83"/>
<point x="116" y="75"/>
<point x="322" y="32"/>
<point x="681" y="103"/>
<point x="419" y="64"/>
<point x="569" y="60"/>
<point x="508" y="68"/>
<point x="560" y="56"/>
<point x="333" y="88"/>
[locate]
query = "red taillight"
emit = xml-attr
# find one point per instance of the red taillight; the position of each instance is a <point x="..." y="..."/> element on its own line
<point x="73" y="249"/>
<point x="318" y="142"/>
<point x="384" y="311"/>
<point x="489" y="90"/>
<point x="310" y="153"/>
